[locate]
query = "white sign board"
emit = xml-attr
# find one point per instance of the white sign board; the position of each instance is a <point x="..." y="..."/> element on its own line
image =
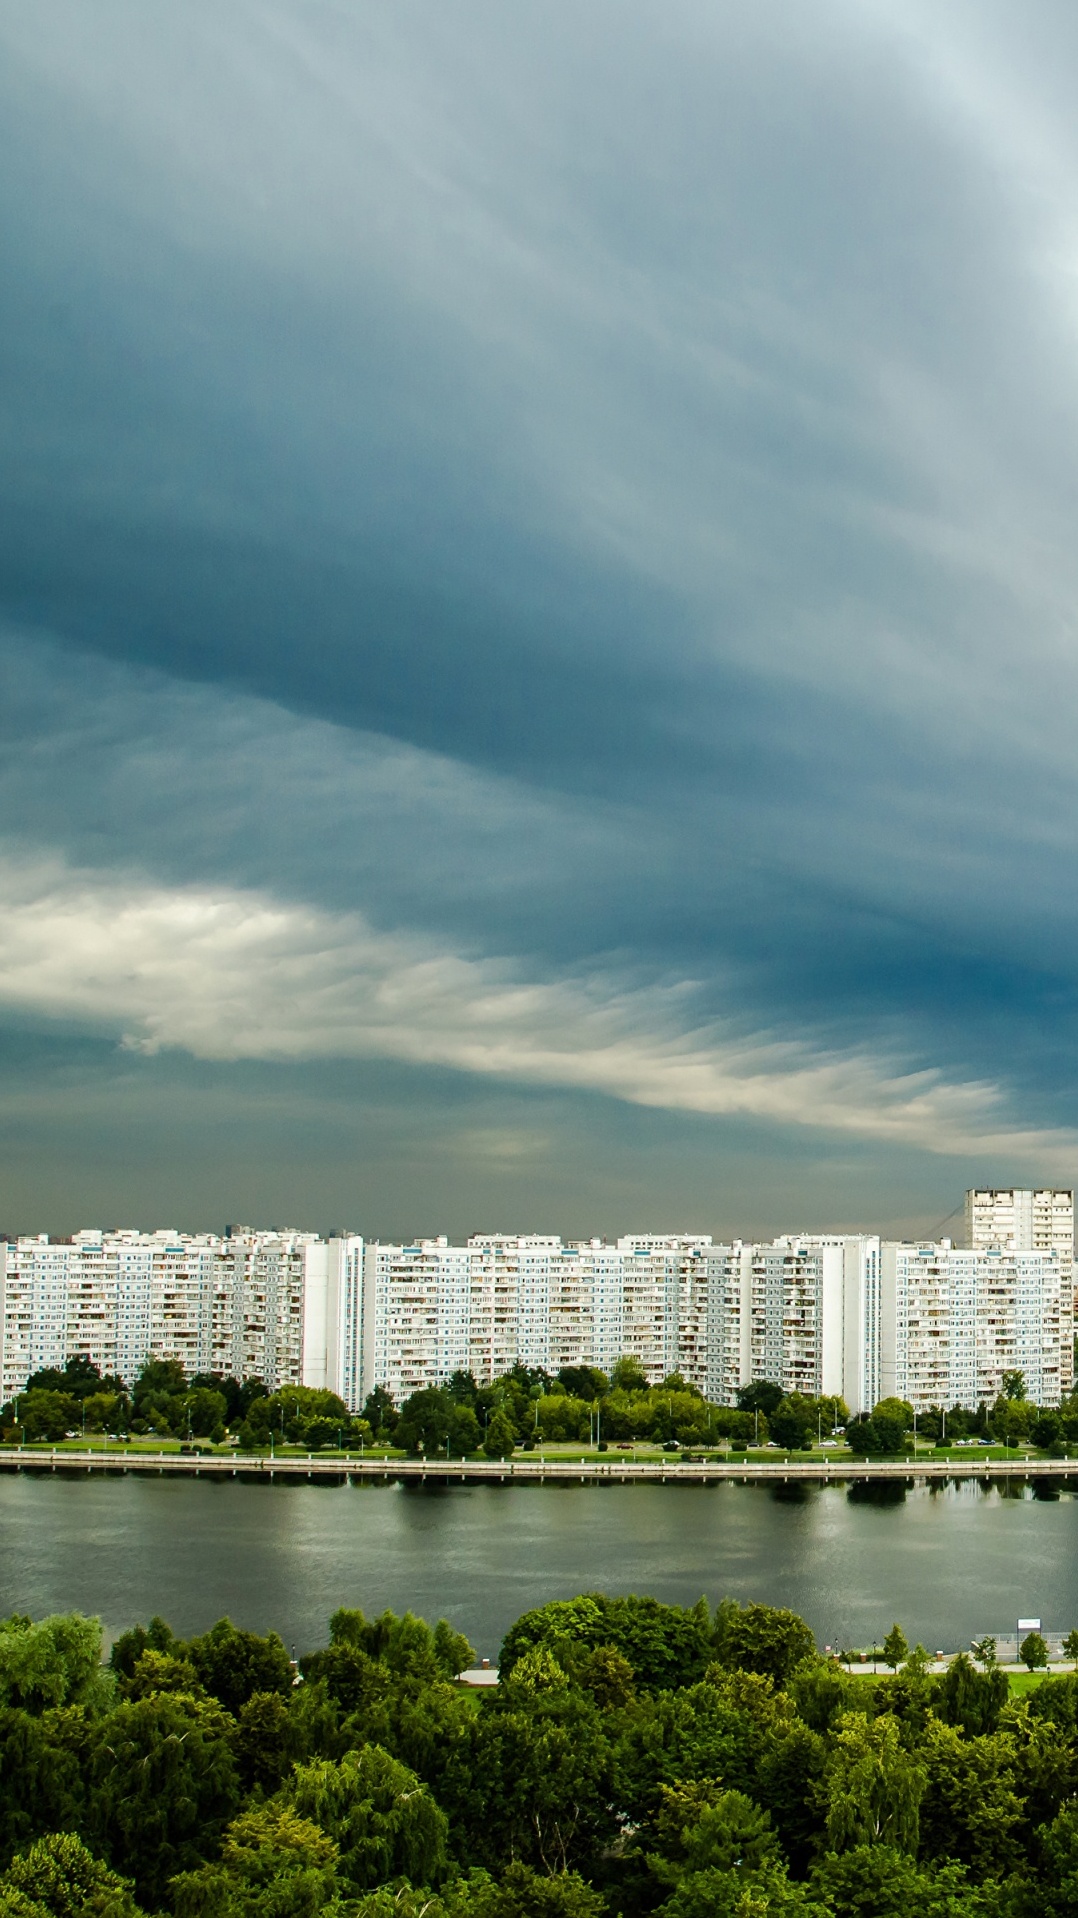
<point x="1029" y="1624"/>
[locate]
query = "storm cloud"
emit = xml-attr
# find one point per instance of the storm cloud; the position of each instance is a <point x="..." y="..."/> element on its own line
<point x="582" y="500"/>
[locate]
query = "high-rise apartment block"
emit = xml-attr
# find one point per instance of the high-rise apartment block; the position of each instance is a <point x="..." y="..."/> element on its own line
<point x="230" y="1305"/>
<point x="841" y="1314"/>
<point x="956" y="1319"/>
<point x="1023" y="1219"/>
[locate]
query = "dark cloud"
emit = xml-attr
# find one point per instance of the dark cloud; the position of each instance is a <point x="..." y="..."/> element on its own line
<point x="601" y="494"/>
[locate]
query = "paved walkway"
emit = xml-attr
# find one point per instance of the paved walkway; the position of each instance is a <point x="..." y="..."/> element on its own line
<point x="529" y="1468"/>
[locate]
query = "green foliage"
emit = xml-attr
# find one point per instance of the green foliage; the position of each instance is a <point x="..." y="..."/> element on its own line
<point x="879" y="1436"/>
<point x="56" y="1662"/>
<point x="273" y="1864"/>
<point x="798" y="1420"/>
<point x="233" y="1665"/>
<point x="583" y="1382"/>
<point x="895" y="1647"/>
<point x="297" y="1415"/>
<point x="878" y="1881"/>
<point x="41" y="1778"/>
<point x="972" y="1812"/>
<point x="971" y="1699"/>
<point x="761" y="1396"/>
<point x="161" y="1672"/>
<point x="762" y="1638"/>
<point x="665" y="1645"/>
<point x="1033" y="1651"/>
<point x="499" y="1440"/>
<point x="896" y="1409"/>
<point x="129" y="1647"/>
<point x="163" y="1784"/>
<point x="452" y="1651"/>
<point x="636" y="1759"/>
<point x="382" y="1819"/>
<point x="873" y="1788"/>
<point x="58" y="1876"/>
<point x="40" y="1415"/>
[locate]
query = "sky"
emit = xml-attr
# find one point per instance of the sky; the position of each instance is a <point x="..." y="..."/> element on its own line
<point x="538" y="667"/>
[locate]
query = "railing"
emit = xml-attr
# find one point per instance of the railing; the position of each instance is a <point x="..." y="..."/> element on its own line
<point x="529" y="1467"/>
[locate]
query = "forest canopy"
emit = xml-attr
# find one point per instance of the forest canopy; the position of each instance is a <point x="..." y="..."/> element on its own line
<point x="634" y="1758"/>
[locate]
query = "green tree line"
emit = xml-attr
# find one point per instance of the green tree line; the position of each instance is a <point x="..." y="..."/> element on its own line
<point x="526" y="1408"/>
<point x="635" y="1758"/>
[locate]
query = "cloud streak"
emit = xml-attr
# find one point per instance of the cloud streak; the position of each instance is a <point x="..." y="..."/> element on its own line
<point x="231" y="975"/>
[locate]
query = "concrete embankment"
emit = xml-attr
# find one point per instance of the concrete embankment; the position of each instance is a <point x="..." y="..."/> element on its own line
<point x="528" y="1469"/>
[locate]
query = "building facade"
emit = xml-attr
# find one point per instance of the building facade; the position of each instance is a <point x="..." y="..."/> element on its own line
<point x="837" y="1314"/>
<point x="231" y="1305"/>
<point x="955" y="1319"/>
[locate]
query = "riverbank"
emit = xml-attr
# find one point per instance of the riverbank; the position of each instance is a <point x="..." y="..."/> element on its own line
<point x="526" y="1468"/>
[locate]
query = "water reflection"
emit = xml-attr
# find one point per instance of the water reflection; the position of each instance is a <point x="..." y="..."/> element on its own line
<point x="950" y="1560"/>
<point x="879" y="1491"/>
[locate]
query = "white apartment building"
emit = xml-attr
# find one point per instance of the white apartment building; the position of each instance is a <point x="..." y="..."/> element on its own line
<point x="955" y="1319"/>
<point x="1023" y="1219"/>
<point x="797" y="1311"/>
<point x="228" y="1305"/>
<point x="817" y="1313"/>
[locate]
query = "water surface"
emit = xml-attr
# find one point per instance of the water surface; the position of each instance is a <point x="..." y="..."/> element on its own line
<point x="949" y="1561"/>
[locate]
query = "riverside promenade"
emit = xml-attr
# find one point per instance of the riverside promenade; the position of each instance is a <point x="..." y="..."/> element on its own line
<point x="524" y="1468"/>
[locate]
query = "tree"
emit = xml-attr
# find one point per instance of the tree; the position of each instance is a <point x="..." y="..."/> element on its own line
<point x="41" y="1416"/>
<point x="760" y="1396"/>
<point x="126" y="1651"/>
<point x="878" y="1881"/>
<point x="500" y="1440"/>
<point x="972" y="1809"/>
<point x="383" y="1820"/>
<point x="79" y="1379"/>
<point x="701" y="1827"/>
<point x="273" y="1864"/>
<point x="162" y="1785"/>
<point x="64" y="1880"/>
<point x="1033" y="1651"/>
<point x="206" y="1412"/>
<point x="896" y="1409"/>
<point x="874" y="1788"/>
<point x="1070" y="1646"/>
<point x="972" y="1699"/>
<point x="895" y="1647"/>
<point x="762" y="1638"/>
<point x="234" y="1664"/>
<point x="545" y="1767"/>
<point x="1046" y="1430"/>
<point x="55" y="1662"/>
<point x="161" y="1672"/>
<point x="464" y="1433"/>
<point x="264" y="1743"/>
<point x="451" y="1649"/>
<point x="877" y="1436"/>
<point x="424" y="1421"/>
<point x="42" y="1780"/>
<point x="1013" y="1385"/>
<point x="791" y="1421"/>
<point x="381" y="1414"/>
<point x="584" y="1382"/>
<point x="628" y="1375"/>
<point x="984" y="1649"/>
<point x="665" y="1645"/>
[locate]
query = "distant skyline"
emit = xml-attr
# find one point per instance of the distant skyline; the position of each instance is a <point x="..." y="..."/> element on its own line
<point x="538" y="670"/>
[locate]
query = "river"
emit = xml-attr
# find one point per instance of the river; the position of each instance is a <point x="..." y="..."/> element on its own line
<point x="948" y="1561"/>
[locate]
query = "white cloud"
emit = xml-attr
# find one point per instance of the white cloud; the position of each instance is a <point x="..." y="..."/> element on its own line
<point x="230" y="975"/>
